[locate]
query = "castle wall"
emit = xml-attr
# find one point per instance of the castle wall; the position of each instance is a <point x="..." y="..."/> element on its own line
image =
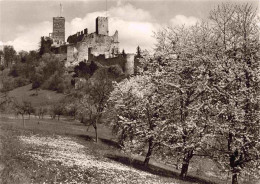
<point x="82" y="48"/>
<point x="97" y="44"/>
<point x="119" y="60"/>
<point x="70" y="53"/>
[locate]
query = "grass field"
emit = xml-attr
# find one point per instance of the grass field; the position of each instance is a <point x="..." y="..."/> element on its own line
<point x="64" y="152"/>
<point x="42" y="97"/>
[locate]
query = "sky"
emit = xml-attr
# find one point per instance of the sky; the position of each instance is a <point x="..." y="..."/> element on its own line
<point x="23" y="22"/>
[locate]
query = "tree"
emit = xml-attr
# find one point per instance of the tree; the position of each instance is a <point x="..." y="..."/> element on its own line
<point x="136" y="115"/>
<point x="1" y="58"/>
<point x="72" y="105"/>
<point x="6" y="103"/>
<point x="9" y="55"/>
<point x="45" y="46"/>
<point x="183" y="63"/>
<point x="237" y="93"/>
<point x="21" y="109"/>
<point x="57" y="110"/>
<point x="94" y="101"/>
<point x="23" y="55"/>
<point x="138" y="52"/>
<point x="123" y="53"/>
<point x="37" y="80"/>
<point x="229" y="46"/>
<point x="29" y="108"/>
<point x="41" y="111"/>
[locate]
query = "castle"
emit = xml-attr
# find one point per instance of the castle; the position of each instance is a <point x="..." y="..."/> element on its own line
<point x="96" y="46"/>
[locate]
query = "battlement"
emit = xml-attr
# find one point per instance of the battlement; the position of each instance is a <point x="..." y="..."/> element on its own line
<point x="77" y="37"/>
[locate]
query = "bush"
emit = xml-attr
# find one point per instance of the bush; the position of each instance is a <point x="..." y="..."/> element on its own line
<point x="58" y="83"/>
<point x="37" y="81"/>
<point x="14" y="71"/>
<point x="2" y="67"/>
<point x="10" y="83"/>
<point x="116" y="70"/>
<point x="53" y="82"/>
<point x="85" y="70"/>
<point x="20" y="81"/>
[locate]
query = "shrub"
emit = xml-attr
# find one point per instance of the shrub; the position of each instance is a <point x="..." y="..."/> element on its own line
<point x="20" y="81"/>
<point x="2" y="67"/>
<point x="53" y="82"/>
<point x="8" y="84"/>
<point x="14" y="71"/>
<point x="116" y="70"/>
<point x="37" y="81"/>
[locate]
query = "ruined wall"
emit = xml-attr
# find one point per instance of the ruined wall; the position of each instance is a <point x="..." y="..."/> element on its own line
<point x="127" y="63"/>
<point x="101" y="44"/>
<point x="82" y="48"/>
<point x="97" y="43"/>
<point x="70" y="57"/>
<point x="58" y="33"/>
<point x="102" y="25"/>
<point x="94" y="43"/>
<point x="119" y="60"/>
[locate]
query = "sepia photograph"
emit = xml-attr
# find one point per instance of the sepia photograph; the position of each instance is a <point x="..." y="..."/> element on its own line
<point x="129" y="91"/>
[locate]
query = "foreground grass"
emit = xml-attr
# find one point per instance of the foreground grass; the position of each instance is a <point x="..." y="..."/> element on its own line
<point x="37" y="156"/>
<point x="51" y="151"/>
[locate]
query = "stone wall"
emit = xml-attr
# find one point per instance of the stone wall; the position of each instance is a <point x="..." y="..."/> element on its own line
<point x="119" y="60"/>
<point x="127" y="63"/>
<point x="94" y="43"/>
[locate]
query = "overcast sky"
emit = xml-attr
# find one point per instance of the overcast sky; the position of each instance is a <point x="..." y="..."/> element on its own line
<point x="22" y="23"/>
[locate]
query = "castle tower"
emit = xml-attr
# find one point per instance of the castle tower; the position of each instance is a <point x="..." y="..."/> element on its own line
<point x="58" y="33"/>
<point x="102" y="25"/>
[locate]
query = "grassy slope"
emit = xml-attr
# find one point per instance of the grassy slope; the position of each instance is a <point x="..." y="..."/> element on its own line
<point x="44" y="97"/>
<point x="106" y="148"/>
<point x="20" y="168"/>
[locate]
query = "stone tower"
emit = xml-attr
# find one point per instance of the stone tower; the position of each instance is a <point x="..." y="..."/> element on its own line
<point x="58" y="33"/>
<point x="102" y="25"/>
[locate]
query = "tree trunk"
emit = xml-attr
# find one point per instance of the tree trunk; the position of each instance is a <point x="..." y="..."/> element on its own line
<point x="96" y="133"/>
<point x="234" y="178"/>
<point x="23" y="122"/>
<point x="185" y="164"/>
<point x="149" y="152"/>
<point x="29" y="116"/>
<point x="58" y="117"/>
<point x="184" y="169"/>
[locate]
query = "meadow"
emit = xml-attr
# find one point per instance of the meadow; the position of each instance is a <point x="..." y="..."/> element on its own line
<point x="52" y="151"/>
